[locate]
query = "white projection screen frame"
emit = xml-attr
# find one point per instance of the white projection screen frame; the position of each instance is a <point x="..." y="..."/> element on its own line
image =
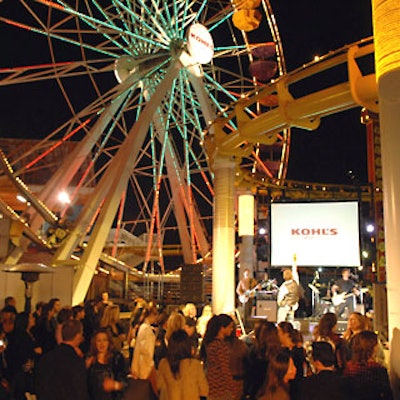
<point x="322" y="234"/>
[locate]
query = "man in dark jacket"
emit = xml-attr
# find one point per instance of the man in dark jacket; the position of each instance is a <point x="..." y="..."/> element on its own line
<point x="325" y="383"/>
<point x="61" y="373"/>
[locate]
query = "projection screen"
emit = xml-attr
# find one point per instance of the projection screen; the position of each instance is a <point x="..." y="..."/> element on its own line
<point x="319" y="234"/>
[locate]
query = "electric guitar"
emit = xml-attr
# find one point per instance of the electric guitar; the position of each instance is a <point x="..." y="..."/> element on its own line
<point x="340" y="298"/>
<point x="244" y="298"/>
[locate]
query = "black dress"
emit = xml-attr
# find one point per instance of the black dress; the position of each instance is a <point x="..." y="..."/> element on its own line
<point x="114" y="369"/>
<point x="19" y="352"/>
<point x="255" y="371"/>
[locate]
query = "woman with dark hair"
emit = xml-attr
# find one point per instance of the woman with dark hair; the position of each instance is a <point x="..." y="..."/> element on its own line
<point x="160" y="350"/>
<point x="325" y="331"/>
<point x="215" y="351"/>
<point x="280" y="372"/>
<point x="4" y="383"/>
<point x="106" y="368"/>
<point x="369" y="378"/>
<point x="78" y="312"/>
<point x="45" y="330"/>
<point x="291" y="340"/>
<point x="22" y="356"/>
<point x="266" y="345"/>
<point x="180" y="376"/>
<point x="239" y="352"/>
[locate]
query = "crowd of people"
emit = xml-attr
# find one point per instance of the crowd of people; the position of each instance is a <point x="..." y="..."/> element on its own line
<point x="80" y="353"/>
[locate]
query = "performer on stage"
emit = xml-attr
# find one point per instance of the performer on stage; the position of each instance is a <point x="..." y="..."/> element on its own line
<point x="288" y="294"/>
<point x="270" y="285"/>
<point x="344" y="291"/>
<point x="245" y="290"/>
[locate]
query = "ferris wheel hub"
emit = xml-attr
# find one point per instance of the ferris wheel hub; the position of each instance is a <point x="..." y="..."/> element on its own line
<point x="124" y="67"/>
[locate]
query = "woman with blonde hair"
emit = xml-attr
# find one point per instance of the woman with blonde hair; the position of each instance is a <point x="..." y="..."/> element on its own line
<point x="111" y="321"/>
<point x="202" y="321"/>
<point x="355" y="324"/>
<point x="190" y="311"/>
<point x="175" y="322"/>
<point x="369" y="379"/>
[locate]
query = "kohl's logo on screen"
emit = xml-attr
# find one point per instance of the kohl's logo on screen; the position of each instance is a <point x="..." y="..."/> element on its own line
<point x="313" y="232"/>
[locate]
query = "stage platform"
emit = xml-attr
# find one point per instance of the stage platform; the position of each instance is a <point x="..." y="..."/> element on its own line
<point x="306" y="325"/>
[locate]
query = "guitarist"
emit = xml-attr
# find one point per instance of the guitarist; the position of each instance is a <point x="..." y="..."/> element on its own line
<point x="346" y="287"/>
<point x="245" y="290"/>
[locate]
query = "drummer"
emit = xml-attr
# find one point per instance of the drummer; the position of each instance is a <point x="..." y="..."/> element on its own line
<point x="270" y="285"/>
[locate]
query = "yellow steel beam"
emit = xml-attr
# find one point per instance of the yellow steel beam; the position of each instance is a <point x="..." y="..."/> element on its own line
<point x="236" y="130"/>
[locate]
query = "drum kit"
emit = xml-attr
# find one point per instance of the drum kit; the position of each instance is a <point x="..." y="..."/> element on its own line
<point x="321" y="298"/>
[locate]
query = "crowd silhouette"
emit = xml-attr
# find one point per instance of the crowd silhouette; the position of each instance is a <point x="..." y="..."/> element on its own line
<point x="86" y="352"/>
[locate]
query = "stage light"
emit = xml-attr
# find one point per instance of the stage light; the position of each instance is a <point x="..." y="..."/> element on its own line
<point x="21" y="198"/>
<point x="246" y="215"/>
<point x="63" y="197"/>
<point x="370" y="228"/>
<point x="365" y="254"/>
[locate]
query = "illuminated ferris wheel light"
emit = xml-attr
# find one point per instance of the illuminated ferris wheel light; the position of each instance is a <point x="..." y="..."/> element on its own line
<point x="63" y="197"/>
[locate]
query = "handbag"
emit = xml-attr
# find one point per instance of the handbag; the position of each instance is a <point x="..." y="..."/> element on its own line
<point x="139" y="389"/>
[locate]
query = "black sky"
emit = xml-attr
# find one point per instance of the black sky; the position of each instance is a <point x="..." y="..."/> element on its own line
<point x="307" y="28"/>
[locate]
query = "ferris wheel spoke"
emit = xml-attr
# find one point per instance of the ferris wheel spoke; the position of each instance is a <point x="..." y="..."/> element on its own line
<point x="157" y="32"/>
<point x="196" y="158"/>
<point x="103" y="27"/>
<point x="45" y="72"/>
<point x="201" y="7"/>
<point x="110" y="17"/>
<point x="126" y="48"/>
<point x="60" y="37"/>
<point x="107" y="31"/>
<point x="218" y="19"/>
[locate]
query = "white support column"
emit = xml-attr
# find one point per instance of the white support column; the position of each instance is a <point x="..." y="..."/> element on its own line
<point x="386" y="19"/>
<point x="246" y="231"/>
<point x="223" y="268"/>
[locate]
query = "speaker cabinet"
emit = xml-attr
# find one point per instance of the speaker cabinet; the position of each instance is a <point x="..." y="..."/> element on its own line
<point x="192" y="284"/>
<point x="380" y="309"/>
<point x="266" y="308"/>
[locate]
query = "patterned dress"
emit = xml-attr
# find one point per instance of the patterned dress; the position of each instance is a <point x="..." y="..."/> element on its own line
<point x="219" y="374"/>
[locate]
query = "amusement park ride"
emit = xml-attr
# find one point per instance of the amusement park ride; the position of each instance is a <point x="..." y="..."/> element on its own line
<point x="159" y="95"/>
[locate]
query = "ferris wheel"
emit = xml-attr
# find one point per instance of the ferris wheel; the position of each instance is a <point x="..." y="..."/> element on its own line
<point x="136" y="84"/>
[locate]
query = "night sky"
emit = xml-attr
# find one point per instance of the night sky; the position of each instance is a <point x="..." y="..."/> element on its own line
<point x="307" y="28"/>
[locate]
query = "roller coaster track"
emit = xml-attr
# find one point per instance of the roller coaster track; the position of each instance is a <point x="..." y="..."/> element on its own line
<point x="305" y="111"/>
<point x="286" y="110"/>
